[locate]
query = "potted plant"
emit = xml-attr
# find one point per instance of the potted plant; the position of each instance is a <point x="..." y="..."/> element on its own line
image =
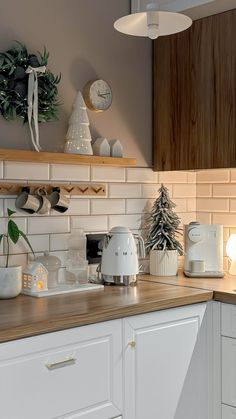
<point x="11" y="276"/>
<point x="161" y="241"/>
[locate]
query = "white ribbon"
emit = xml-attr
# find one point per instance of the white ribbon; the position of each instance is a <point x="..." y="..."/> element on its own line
<point x="33" y="103"/>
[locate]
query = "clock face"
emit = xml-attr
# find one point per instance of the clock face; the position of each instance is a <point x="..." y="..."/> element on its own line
<point x="98" y="95"/>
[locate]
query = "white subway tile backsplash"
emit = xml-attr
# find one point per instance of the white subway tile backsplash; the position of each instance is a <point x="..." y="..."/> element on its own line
<point x="78" y="206"/>
<point x="125" y="191"/>
<point x="27" y="171"/>
<point x="181" y="204"/>
<point x="204" y="217"/>
<point x="187" y="217"/>
<point x="41" y="225"/>
<point x="232" y="205"/>
<point x="142" y="175"/>
<point x="212" y="205"/>
<point x="15" y="260"/>
<point x="1" y="169"/>
<point x="204" y="190"/>
<point x="107" y="206"/>
<point x="173" y="177"/>
<point x="191" y="204"/>
<point x="213" y="176"/>
<point x="59" y="241"/>
<point x="184" y="191"/>
<point x="151" y="191"/>
<point x="39" y="243"/>
<point x="70" y="173"/>
<point x="192" y="177"/>
<point x="228" y="220"/>
<point x="138" y="206"/>
<point x="21" y="223"/>
<point x="90" y="223"/>
<point x="107" y="174"/>
<point x="224" y="190"/>
<point x="131" y="221"/>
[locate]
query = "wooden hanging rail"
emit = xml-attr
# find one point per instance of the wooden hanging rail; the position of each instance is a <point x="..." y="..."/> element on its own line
<point x="71" y="189"/>
<point x="63" y="158"/>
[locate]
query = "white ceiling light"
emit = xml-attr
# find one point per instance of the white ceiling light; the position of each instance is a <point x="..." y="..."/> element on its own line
<point x="153" y="23"/>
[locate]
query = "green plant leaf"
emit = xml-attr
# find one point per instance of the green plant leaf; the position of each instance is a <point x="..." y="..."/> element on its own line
<point x="13" y="231"/>
<point x="27" y="241"/>
<point x="1" y="237"/>
<point x="10" y="212"/>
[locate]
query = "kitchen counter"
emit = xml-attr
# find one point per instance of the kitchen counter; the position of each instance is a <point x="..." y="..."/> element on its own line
<point x="224" y="289"/>
<point x="26" y="316"/>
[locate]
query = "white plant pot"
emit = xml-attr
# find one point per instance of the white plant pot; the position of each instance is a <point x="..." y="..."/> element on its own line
<point x="10" y="281"/>
<point x="164" y="263"/>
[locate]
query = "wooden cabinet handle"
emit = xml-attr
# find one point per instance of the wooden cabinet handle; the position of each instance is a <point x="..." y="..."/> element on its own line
<point x="132" y="344"/>
<point x="60" y="364"/>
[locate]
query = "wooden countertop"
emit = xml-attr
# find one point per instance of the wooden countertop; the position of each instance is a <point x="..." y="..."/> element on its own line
<point x="27" y="316"/>
<point x="224" y="289"/>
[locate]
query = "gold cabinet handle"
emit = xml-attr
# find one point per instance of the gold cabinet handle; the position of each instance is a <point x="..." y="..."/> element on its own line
<point x="132" y="344"/>
<point x="60" y="364"/>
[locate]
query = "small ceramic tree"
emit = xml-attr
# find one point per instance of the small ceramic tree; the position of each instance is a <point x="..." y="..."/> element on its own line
<point x="78" y="137"/>
<point x="163" y="228"/>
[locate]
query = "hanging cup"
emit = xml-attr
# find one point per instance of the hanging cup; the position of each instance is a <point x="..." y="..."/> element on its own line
<point x="45" y="204"/>
<point x="27" y="202"/>
<point x="58" y="201"/>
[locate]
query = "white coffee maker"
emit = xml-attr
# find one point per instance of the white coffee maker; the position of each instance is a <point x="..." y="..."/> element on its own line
<point x="120" y="253"/>
<point x="203" y="250"/>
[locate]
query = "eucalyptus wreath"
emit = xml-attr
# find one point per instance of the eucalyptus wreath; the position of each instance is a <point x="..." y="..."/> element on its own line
<point x="14" y="85"/>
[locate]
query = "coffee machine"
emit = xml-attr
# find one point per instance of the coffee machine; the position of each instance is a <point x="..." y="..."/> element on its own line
<point x="203" y="250"/>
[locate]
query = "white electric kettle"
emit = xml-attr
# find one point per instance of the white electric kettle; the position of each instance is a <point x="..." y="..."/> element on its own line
<point x="119" y="263"/>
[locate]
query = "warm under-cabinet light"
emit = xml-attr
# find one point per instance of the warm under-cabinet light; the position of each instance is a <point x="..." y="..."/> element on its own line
<point x="231" y="253"/>
<point x="153" y="23"/>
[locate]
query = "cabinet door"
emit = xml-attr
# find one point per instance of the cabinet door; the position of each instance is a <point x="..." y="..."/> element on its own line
<point x="228" y="412"/>
<point x="194" y="96"/>
<point x="165" y="365"/>
<point x="229" y="371"/>
<point x="72" y="374"/>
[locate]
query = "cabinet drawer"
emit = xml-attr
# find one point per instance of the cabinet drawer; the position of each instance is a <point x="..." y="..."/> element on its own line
<point x="69" y="374"/>
<point x="228" y="322"/>
<point x="229" y="371"/>
<point x="228" y="412"/>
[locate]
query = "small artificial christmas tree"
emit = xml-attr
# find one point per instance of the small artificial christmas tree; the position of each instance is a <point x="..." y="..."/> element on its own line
<point x="163" y="225"/>
<point x="78" y="135"/>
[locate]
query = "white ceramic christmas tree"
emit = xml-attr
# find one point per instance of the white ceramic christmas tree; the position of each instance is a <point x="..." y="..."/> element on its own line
<point x="78" y="137"/>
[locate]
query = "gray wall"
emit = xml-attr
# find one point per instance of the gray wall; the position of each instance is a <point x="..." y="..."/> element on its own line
<point x="83" y="45"/>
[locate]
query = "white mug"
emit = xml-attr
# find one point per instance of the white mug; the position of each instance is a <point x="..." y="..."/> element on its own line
<point x="45" y="204"/>
<point x="27" y="202"/>
<point x="58" y="201"/>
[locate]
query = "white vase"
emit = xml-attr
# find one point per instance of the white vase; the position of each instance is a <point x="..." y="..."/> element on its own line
<point x="164" y="263"/>
<point x="10" y="281"/>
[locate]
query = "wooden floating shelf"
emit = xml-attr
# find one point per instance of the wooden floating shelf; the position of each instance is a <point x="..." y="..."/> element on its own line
<point x="63" y="158"/>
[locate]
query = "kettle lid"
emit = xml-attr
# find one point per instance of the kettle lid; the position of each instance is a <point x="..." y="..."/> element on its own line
<point x="119" y="230"/>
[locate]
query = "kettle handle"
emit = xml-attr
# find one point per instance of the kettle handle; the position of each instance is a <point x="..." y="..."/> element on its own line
<point x="141" y="245"/>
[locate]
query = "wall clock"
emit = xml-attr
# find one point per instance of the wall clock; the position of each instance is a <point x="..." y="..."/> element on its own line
<point x="97" y="95"/>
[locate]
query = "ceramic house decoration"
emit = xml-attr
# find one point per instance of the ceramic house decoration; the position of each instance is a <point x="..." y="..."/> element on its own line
<point x="116" y="148"/>
<point x="78" y="137"/>
<point x="34" y="278"/>
<point x="101" y="147"/>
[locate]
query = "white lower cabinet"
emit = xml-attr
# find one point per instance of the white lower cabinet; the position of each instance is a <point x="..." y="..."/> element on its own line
<point x="165" y="365"/>
<point x="228" y="412"/>
<point x="72" y="374"/>
<point x="150" y="366"/>
<point x="229" y="371"/>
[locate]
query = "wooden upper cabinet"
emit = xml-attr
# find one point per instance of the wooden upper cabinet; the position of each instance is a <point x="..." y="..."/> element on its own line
<point x="195" y="96"/>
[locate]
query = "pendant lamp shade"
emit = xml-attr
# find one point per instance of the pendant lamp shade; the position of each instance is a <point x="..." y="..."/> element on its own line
<point x="153" y="23"/>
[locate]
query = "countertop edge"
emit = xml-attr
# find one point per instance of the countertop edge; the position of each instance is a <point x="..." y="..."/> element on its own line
<point x="61" y="322"/>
